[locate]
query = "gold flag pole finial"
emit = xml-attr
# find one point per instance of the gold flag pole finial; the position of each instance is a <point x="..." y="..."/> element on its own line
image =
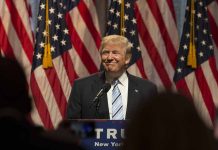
<point x="47" y="58"/>
<point x="192" y="60"/>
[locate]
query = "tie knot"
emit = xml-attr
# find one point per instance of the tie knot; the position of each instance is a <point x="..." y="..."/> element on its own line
<point x="115" y="82"/>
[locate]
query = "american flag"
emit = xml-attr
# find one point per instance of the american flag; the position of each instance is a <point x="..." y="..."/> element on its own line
<point x="158" y="38"/>
<point x="157" y="34"/>
<point x="122" y="21"/>
<point x="69" y="22"/>
<point x="16" y="38"/>
<point x="196" y="46"/>
<point x="213" y="21"/>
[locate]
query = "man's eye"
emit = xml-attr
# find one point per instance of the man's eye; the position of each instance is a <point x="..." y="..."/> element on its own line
<point x="115" y="52"/>
<point x="105" y="52"/>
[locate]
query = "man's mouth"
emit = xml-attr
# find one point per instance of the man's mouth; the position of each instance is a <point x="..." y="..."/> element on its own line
<point x="109" y="63"/>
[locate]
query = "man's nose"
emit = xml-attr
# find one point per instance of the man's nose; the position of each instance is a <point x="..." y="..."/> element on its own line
<point x="110" y="56"/>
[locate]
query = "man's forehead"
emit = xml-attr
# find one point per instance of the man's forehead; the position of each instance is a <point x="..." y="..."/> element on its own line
<point x="118" y="45"/>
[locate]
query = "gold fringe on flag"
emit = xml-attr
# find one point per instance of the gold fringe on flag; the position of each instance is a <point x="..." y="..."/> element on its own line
<point x="192" y="59"/>
<point x="47" y="58"/>
<point x="122" y="25"/>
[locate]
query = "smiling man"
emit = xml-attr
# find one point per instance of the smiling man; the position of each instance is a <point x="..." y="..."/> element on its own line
<point x="89" y="98"/>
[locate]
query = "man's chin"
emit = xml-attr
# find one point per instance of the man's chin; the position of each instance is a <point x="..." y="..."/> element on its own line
<point x="111" y="70"/>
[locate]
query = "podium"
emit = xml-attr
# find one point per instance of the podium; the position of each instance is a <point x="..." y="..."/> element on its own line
<point x="108" y="134"/>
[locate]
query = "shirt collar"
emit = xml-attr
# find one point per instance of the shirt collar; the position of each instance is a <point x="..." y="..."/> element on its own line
<point x="123" y="78"/>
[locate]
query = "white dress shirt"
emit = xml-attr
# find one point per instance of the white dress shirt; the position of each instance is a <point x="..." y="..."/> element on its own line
<point x="123" y="87"/>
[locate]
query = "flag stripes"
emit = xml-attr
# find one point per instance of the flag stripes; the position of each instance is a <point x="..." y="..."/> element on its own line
<point x="201" y="82"/>
<point x="159" y="43"/>
<point x="158" y="40"/>
<point x="80" y="60"/>
<point x="20" y="26"/>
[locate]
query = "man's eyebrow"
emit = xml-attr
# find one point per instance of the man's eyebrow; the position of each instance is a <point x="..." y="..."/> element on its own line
<point x="109" y="50"/>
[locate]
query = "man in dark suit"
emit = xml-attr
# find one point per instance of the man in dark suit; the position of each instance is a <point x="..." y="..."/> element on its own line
<point x="115" y="54"/>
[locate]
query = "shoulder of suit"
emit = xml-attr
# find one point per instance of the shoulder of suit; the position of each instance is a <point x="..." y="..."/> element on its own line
<point x="89" y="78"/>
<point x="139" y="79"/>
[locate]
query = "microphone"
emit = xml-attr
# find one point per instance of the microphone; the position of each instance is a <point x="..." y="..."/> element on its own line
<point x="105" y="88"/>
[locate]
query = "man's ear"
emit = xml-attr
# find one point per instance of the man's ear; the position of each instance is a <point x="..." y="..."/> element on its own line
<point x="128" y="58"/>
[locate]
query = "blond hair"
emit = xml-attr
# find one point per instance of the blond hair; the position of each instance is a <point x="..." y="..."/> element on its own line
<point x="117" y="40"/>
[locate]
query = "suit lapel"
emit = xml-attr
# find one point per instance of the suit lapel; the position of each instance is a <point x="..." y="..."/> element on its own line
<point x="132" y="96"/>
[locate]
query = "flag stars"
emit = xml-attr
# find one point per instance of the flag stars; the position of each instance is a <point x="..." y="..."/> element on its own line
<point x="45" y="33"/>
<point x="63" y="42"/>
<point x="179" y="70"/>
<point x="204" y="31"/>
<point x="203" y="43"/>
<point x="193" y="11"/>
<point x="41" y="44"/>
<point x="185" y="47"/>
<point x="133" y="21"/>
<point x="39" y="56"/>
<point x="205" y="8"/>
<point x="118" y="14"/>
<point x="112" y="10"/>
<point x="200" y="3"/>
<point x="131" y="44"/>
<point x="132" y="32"/>
<point x="61" y="4"/>
<point x="211" y="47"/>
<point x="126" y="17"/>
<point x="115" y="26"/>
<point x="49" y="22"/>
<point x="55" y="37"/>
<point x="59" y="39"/>
<point x="129" y="29"/>
<point x="206" y="19"/>
<point x="66" y="31"/>
<point x="51" y="10"/>
<point x="182" y="58"/>
<point x="124" y="30"/>
<point x="52" y="49"/>
<point x="39" y="18"/>
<point x="57" y="26"/>
<point x="119" y="1"/>
<point x="42" y="6"/>
<point x="187" y="35"/>
<point x="199" y="15"/>
<point x="200" y="39"/>
<point x="60" y="15"/>
<point x="138" y="48"/>
<point x="127" y="5"/>
<point x="109" y="23"/>
<point x="201" y="54"/>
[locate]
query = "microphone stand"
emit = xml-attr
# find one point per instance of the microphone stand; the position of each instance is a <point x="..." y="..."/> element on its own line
<point x="97" y="106"/>
<point x="96" y="100"/>
<point x="97" y="103"/>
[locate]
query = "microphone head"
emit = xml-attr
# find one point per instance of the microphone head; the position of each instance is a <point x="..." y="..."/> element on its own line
<point x="106" y="87"/>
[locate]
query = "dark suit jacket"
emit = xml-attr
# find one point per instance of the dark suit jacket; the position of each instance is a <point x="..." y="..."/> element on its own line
<point x="81" y="106"/>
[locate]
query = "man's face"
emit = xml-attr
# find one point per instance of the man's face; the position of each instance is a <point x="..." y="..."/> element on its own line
<point x="114" y="58"/>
